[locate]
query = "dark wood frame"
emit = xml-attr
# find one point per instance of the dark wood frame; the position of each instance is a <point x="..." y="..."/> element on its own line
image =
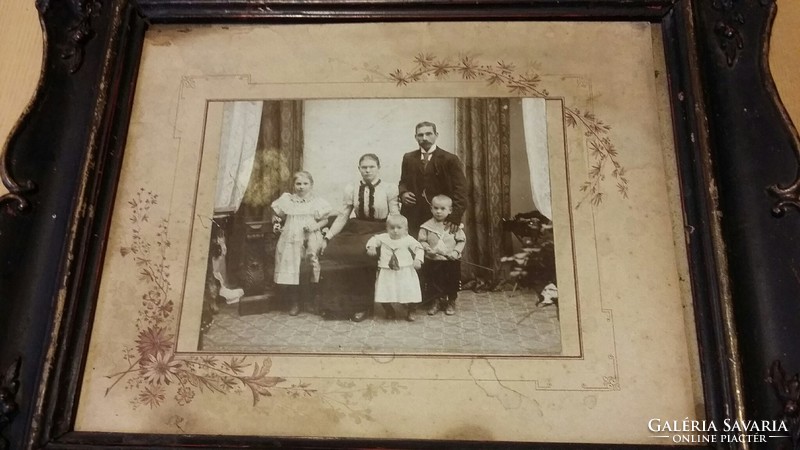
<point x="738" y="157"/>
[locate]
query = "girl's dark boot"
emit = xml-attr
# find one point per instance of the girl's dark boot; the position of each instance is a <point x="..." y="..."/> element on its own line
<point x="410" y="312"/>
<point x="310" y="298"/>
<point x="388" y="311"/>
<point x="293" y="295"/>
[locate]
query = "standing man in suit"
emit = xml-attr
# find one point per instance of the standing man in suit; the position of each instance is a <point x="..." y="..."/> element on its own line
<point x="427" y="172"/>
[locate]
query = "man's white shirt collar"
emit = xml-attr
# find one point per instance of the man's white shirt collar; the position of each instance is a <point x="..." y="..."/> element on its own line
<point x="423" y="154"/>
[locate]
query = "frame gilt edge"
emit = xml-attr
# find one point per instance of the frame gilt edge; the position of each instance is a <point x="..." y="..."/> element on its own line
<point x="79" y="34"/>
<point x="786" y="195"/>
<point x="730" y="343"/>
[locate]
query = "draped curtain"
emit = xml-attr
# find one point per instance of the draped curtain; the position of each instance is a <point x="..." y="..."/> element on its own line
<point x="278" y="154"/>
<point x="241" y="122"/>
<point x="534" y="118"/>
<point x="483" y="144"/>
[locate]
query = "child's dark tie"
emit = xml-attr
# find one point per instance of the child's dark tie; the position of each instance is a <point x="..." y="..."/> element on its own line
<point x="394" y="264"/>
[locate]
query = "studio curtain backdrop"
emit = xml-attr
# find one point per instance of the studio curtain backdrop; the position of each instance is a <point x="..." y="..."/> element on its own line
<point x="483" y="144"/>
<point x="533" y="110"/>
<point x="241" y="122"/>
<point x="278" y="154"/>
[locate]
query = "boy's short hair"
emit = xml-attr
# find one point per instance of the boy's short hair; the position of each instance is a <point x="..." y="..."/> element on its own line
<point x="443" y="198"/>
<point x="397" y="219"/>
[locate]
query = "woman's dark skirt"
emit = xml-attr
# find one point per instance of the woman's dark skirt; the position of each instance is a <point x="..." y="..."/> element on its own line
<point x="347" y="277"/>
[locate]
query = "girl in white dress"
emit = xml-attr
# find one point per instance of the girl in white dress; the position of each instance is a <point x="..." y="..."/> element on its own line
<point x="399" y="258"/>
<point x="298" y="217"/>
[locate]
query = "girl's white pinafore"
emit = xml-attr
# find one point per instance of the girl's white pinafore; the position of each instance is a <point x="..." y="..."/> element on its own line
<point x="295" y="243"/>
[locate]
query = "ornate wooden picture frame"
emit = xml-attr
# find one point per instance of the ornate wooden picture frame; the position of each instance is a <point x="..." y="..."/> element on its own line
<point x="735" y="157"/>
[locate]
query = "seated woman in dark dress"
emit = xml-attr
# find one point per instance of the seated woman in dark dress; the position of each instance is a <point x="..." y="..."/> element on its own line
<point x="347" y="280"/>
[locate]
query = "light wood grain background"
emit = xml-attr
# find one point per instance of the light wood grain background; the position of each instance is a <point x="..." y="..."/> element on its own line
<point x="21" y="55"/>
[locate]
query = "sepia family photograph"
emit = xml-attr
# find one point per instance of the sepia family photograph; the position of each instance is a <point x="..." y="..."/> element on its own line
<point x="399" y="226"/>
<point x="325" y="247"/>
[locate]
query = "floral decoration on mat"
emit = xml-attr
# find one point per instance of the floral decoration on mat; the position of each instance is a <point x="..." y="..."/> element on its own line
<point x="528" y="84"/>
<point x="156" y="375"/>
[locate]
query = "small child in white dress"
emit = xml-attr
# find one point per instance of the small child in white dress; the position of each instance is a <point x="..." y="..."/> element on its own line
<point x="298" y="217"/>
<point x="399" y="258"/>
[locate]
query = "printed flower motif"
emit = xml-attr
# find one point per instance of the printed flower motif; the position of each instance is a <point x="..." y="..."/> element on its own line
<point x="184" y="396"/>
<point x="153" y="341"/>
<point x="161" y="368"/>
<point x="468" y="68"/>
<point x="527" y="84"/>
<point x="399" y="77"/>
<point x="154" y="372"/>
<point x="166" y="309"/>
<point x="152" y="396"/>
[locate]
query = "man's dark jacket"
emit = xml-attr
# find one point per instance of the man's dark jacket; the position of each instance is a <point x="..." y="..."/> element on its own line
<point x="444" y="174"/>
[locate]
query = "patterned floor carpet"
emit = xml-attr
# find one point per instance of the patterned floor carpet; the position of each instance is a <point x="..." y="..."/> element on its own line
<point x="496" y="323"/>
